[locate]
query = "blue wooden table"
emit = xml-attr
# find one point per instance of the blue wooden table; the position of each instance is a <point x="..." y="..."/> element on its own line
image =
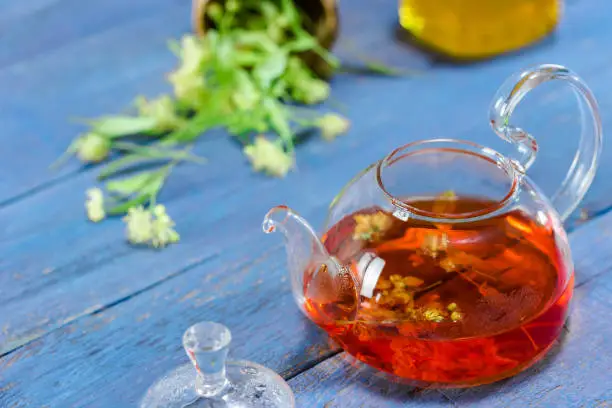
<point x="87" y="321"/>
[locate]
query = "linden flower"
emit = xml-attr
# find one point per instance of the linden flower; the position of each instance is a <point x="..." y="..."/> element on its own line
<point x="433" y="315"/>
<point x="187" y="85"/>
<point x="333" y="125"/>
<point x="215" y="12"/>
<point x="139" y="225"/>
<point x="246" y="95"/>
<point x="456" y="316"/>
<point x="369" y="227"/>
<point x="310" y="91"/>
<point x="304" y="87"/>
<point x="162" y="228"/>
<point x="193" y="53"/>
<point x="296" y="71"/>
<point x="433" y="244"/>
<point x="315" y="91"/>
<point x="445" y="203"/>
<point x="162" y="110"/>
<point x="187" y="79"/>
<point x="232" y="5"/>
<point x="269" y="157"/>
<point x="93" y="147"/>
<point x="94" y="205"/>
<point x="150" y="227"/>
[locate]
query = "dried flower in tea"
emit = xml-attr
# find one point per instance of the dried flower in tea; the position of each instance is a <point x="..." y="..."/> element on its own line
<point x="371" y="227"/>
<point x="452" y="306"/>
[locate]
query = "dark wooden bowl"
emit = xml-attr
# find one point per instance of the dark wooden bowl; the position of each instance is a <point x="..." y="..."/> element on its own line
<point x="323" y="13"/>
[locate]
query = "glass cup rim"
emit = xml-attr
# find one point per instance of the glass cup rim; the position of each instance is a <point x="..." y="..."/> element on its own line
<point x="461" y="147"/>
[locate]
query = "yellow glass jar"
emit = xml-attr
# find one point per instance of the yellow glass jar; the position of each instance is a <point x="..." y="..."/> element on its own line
<point x="469" y="29"/>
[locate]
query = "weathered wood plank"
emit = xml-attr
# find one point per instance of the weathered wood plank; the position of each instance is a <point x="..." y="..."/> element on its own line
<point x="32" y="28"/>
<point x="574" y="374"/>
<point x="337" y="383"/>
<point x="110" y="358"/>
<point x="104" y="62"/>
<point x="56" y="286"/>
<point x="81" y="60"/>
<point x="57" y="269"/>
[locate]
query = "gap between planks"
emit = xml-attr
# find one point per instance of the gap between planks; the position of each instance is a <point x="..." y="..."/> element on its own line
<point x="44" y="186"/>
<point x="287" y="375"/>
<point x="83" y="168"/>
<point x="97" y="309"/>
<point x="101" y="308"/>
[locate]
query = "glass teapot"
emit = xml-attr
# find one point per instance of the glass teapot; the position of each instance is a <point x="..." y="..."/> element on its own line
<point x="443" y="264"/>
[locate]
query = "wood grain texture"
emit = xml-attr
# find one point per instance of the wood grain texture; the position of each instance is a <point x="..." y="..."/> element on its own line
<point x="88" y="313"/>
<point x="576" y="373"/>
<point x="102" y="62"/>
<point x="71" y="59"/>
<point x="56" y="286"/>
<point x="109" y="359"/>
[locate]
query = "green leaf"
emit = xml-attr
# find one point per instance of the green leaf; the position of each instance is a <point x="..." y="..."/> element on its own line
<point x="121" y="164"/>
<point x="269" y="10"/>
<point x="225" y="52"/>
<point x="279" y="88"/>
<point x="247" y="58"/>
<point x="378" y="68"/>
<point x="214" y="11"/>
<point x="149" y="182"/>
<point x="271" y="69"/>
<point x="121" y="125"/>
<point x="258" y="40"/>
<point x="125" y="206"/>
<point x="289" y="10"/>
<point x="175" y="47"/>
<point x="156" y="182"/>
<point x="279" y="119"/>
<point x="246" y="95"/>
<point x="157" y="152"/>
<point x="246" y="122"/>
<point x="198" y="124"/>
<point x="72" y="148"/>
<point x="130" y="185"/>
<point x="330" y="58"/>
<point x="301" y="44"/>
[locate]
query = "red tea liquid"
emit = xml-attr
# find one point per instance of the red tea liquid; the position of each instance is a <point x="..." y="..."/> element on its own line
<point x="455" y="304"/>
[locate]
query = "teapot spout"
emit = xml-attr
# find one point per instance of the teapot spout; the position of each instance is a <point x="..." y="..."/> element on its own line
<point x="305" y="252"/>
<point x="316" y="276"/>
<point x="284" y="219"/>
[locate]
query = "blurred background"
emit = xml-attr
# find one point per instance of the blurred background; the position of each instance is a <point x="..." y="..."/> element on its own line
<point x="63" y="60"/>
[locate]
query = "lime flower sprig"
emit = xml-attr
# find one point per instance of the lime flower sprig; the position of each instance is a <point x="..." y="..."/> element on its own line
<point x="150" y="227"/>
<point x="94" y="205"/>
<point x="244" y="76"/>
<point x="140" y="189"/>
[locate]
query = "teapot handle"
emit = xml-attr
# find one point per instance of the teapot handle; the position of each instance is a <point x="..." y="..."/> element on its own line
<point x="583" y="167"/>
